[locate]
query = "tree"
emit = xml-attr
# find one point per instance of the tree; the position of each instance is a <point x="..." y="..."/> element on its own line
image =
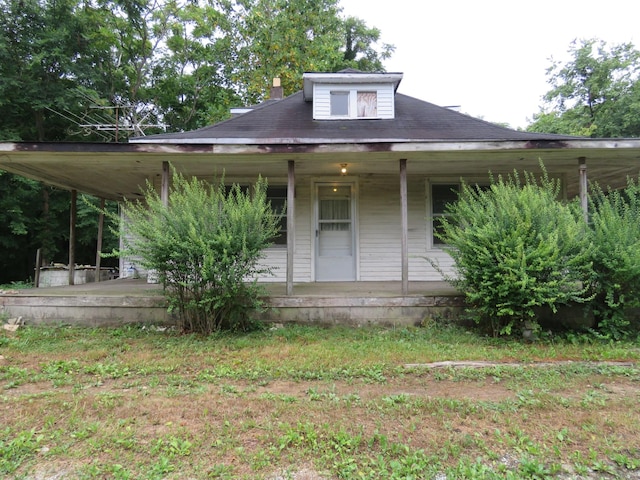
<point x="285" y="38"/>
<point x="596" y="93"/>
<point x="191" y="81"/>
<point x="359" y="51"/>
<point x="34" y="216"/>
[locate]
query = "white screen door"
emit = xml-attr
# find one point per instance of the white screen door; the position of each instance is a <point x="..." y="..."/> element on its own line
<point x="335" y="246"/>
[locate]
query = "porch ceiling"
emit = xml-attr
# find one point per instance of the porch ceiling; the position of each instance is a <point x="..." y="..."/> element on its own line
<point x="114" y="171"/>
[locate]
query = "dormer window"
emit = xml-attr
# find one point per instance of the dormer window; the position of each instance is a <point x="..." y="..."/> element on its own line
<point x="339" y="103"/>
<point x="352" y="103"/>
<point x="367" y="104"/>
<point x="344" y="102"/>
<point x="351" y="95"/>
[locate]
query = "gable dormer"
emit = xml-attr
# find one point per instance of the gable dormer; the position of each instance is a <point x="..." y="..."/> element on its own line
<point x="351" y="94"/>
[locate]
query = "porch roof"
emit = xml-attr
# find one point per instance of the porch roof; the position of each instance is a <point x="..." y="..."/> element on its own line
<point x="116" y="171"/>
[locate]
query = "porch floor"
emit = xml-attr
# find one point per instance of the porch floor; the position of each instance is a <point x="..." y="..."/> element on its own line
<point x="140" y="287"/>
<point x="121" y="301"/>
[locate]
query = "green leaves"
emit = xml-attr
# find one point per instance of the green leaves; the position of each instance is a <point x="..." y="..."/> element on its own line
<point x="206" y="247"/>
<point x="596" y="93"/>
<point x="616" y="258"/>
<point x="516" y="249"/>
<point x="173" y="62"/>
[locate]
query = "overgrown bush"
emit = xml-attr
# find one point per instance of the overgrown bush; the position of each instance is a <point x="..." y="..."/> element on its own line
<point x="516" y="248"/>
<point x="615" y="222"/>
<point x="205" y="247"/>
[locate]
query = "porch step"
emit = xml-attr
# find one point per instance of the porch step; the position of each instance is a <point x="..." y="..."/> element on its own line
<point x="360" y="311"/>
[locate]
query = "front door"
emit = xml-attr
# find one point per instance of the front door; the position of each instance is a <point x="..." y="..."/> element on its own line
<point x="335" y="239"/>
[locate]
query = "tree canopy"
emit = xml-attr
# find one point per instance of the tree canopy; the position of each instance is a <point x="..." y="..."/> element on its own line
<point x="596" y="93"/>
<point x="72" y="70"/>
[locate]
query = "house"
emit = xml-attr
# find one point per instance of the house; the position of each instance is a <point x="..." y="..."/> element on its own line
<point x="364" y="171"/>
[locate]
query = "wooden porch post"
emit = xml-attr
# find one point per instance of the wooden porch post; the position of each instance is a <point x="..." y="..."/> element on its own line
<point x="291" y="224"/>
<point x="73" y="212"/>
<point x="99" y="240"/>
<point x="164" y="188"/>
<point x="584" y="202"/>
<point x="36" y="278"/>
<point x="404" y="226"/>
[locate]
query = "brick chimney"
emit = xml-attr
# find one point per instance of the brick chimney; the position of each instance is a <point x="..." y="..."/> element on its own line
<point x="276" y="92"/>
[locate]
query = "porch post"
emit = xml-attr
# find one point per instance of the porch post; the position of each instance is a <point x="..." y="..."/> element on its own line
<point x="404" y="226"/>
<point x="291" y="224"/>
<point x="99" y="240"/>
<point x="72" y="236"/>
<point x="584" y="202"/>
<point x="164" y="188"/>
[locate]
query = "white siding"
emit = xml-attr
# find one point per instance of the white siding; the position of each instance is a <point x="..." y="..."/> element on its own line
<point x="276" y="257"/>
<point x="380" y="232"/>
<point x="380" y="240"/>
<point x="322" y="104"/>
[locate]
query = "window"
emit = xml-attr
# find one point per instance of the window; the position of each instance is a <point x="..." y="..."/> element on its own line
<point x="278" y="197"/>
<point x="367" y="104"/>
<point x="441" y="195"/>
<point x="353" y="104"/>
<point x="339" y="103"/>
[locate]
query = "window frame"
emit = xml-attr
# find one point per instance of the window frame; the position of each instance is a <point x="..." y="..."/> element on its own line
<point x="354" y="96"/>
<point x="432" y="245"/>
<point x="339" y="94"/>
<point x="280" y="241"/>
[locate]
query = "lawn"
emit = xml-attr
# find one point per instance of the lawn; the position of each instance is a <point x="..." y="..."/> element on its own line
<point x="311" y="403"/>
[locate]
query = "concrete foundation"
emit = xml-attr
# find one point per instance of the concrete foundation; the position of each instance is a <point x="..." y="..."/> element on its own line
<point x="125" y="301"/>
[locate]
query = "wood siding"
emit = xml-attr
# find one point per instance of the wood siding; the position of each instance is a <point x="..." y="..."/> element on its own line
<point x="276" y="256"/>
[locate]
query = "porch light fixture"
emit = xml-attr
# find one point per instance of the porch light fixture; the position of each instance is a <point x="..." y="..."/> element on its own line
<point x="343" y="169"/>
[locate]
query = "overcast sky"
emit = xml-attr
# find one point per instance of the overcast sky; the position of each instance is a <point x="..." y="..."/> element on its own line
<point x="490" y="56"/>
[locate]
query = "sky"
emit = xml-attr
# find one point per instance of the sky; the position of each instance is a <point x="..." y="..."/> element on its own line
<point x="490" y="57"/>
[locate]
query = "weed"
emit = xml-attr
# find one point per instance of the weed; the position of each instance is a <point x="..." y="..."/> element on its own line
<point x="221" y="471"/>
<point x="533" y="468"/>
<point x="625" y="461"/>
<point x="161" y="467"/>
<point x="107" y="370"/>
<point x="230" y="390"/>
<point x="399" y="399"/>
<point x="171" y="446"/>
<point x="15" y="449"/>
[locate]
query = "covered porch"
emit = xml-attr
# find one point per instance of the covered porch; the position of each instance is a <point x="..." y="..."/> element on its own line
<point x="388" y="184"/>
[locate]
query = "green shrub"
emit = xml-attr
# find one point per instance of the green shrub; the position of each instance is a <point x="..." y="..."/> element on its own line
<point x="615" y="222"/>
<point x="205" y="247"/>
<point x="516" y="248"/>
